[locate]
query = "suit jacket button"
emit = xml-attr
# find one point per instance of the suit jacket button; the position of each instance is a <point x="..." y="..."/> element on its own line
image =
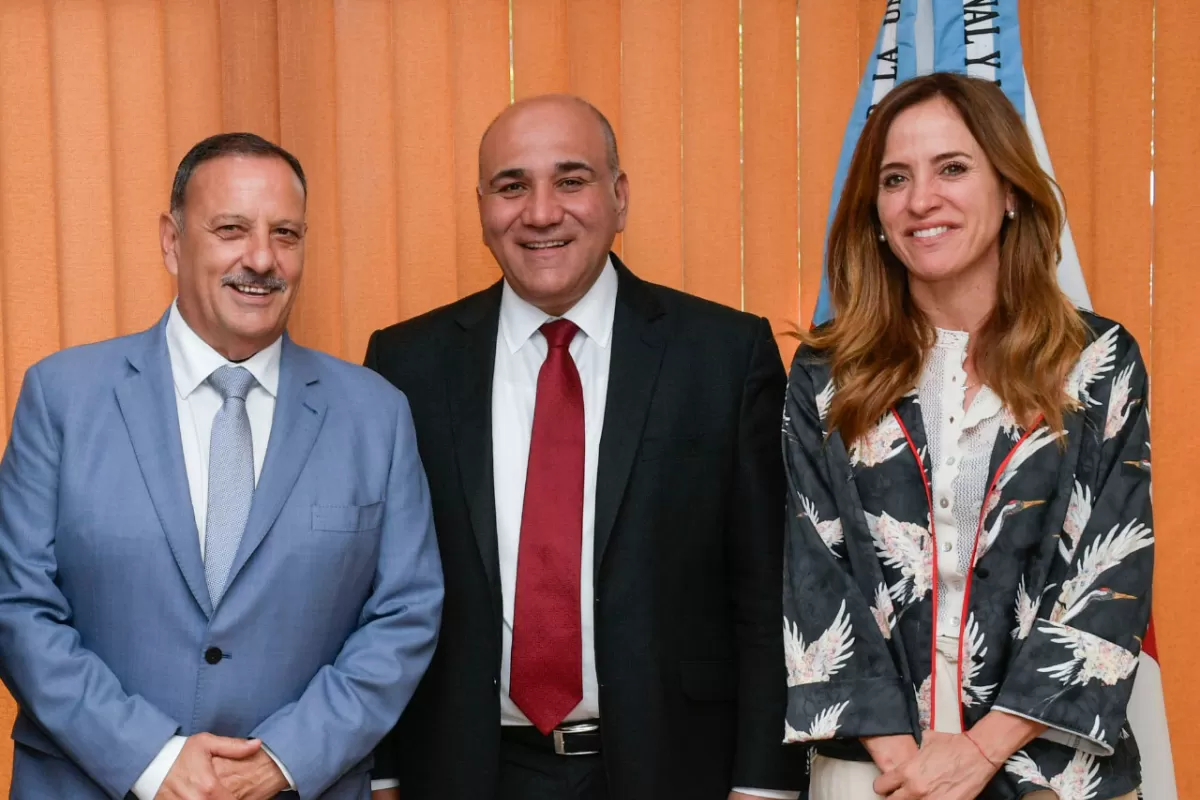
<point x="213" y="655"/>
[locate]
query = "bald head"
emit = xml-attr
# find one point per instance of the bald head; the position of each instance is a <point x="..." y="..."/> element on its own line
<point x="549" y="110"/>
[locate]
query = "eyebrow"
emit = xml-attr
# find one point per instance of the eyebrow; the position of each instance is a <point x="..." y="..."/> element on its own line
<point x="573" y="166"/>
<point x="226" y="219"/>
<point x="519" y="173"/>
<point x="938" y="158"/>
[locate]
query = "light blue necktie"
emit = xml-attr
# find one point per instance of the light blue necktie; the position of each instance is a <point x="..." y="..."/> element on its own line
<point x="230" y="477"/>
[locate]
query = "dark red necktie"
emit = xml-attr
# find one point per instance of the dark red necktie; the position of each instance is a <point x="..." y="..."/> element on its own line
<point x="546" y="681"/>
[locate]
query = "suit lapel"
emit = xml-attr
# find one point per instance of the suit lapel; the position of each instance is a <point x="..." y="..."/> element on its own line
<point x="147" y="402"/>
<point x="299" y="412"/>
<point x="638" y="342"/>
<point x="470" y="361"/>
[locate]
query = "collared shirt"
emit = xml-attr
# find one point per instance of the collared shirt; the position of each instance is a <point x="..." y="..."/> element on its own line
<point x="197" y="403"/>
<point x="960" y="452"/>
<point x="520" y="351"/>
<point x="960" y="447"/>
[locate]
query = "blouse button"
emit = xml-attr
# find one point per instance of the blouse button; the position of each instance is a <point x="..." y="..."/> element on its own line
<point x="950" y="461"/>
<point x="945" y="503"/>
<point x="947" y="547"/>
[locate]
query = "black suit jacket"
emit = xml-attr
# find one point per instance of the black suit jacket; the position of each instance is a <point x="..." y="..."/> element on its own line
<point x="688" y="537"/>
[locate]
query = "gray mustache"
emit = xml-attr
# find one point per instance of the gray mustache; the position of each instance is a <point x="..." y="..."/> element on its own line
<point x="249" y="279"/>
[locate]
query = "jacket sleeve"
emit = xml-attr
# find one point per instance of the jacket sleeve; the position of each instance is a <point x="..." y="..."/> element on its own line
<point x="1075" y="670"/>
<point x="351" y="704"/>
<point x="842" y="681"/>
<point x="64" y="687"/>
<point x="755" y="546"/>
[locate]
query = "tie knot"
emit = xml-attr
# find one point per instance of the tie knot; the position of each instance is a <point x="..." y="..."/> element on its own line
<point x="559" y="333"/>
<point x="232" y="381"/>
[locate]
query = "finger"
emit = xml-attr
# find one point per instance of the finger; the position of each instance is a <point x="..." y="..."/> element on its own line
<point x="889" y="782"/>
<point x="226" y="747"/>
<point x="219" y="792"/>
<point x="212" y="788"/>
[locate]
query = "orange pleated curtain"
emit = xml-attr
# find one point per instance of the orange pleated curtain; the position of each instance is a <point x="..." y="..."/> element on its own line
<point x="730" y="117"/>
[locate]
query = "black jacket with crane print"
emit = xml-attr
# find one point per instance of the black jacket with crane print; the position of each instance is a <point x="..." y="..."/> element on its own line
<point x="1056" y="604"/>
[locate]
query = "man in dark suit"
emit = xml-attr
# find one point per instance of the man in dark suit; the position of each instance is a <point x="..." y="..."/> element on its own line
<point x="604" y="460"/>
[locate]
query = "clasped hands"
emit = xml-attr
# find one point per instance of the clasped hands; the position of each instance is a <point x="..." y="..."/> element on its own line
<point x="945" y="767"/>
<point x="220" y="768"/>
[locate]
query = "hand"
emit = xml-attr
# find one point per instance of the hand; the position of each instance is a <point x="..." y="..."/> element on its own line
<point x="949" y="767"/>
<point x="386" y="794"/>
<point x="889" y="752"/>
<point x="255" y="778"/>
<point x="732" y="796"/>
<point x="192" y="776"/>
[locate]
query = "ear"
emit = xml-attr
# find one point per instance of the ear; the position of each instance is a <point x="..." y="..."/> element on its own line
<point x="1010" y="200"/>
<point x="621" y="188"/>
<point x="168" y="239"/>
<point x="479" y="206"/>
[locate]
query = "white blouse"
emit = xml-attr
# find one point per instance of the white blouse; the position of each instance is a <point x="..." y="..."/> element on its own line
<point x="960" y="451"/>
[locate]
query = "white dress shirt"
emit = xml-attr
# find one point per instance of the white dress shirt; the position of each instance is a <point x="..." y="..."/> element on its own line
<point x="960" y="454"/>
<point x="197" y="403"/>
<point x="520" y="351"/>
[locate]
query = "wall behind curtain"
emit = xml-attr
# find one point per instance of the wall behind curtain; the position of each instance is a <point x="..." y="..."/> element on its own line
<point x="730" y="142"/>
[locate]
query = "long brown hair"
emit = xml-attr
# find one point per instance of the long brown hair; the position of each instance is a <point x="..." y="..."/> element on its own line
<point x="878" y="339"/>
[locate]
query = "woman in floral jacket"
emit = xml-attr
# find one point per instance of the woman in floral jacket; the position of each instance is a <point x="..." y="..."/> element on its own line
<point x="969" y="550"/>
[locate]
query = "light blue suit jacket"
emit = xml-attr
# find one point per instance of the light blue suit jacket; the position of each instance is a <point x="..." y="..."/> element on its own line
<point x="332" y="606"/>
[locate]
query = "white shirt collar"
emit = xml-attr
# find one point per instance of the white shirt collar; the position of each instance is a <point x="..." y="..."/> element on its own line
<point x="986" y="402"/>
<point x="593" y="313"/>
<point x="193" y="359"/>
<point x="952" y="340"/>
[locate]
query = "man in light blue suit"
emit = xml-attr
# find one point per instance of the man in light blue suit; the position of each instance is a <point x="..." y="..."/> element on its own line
<point x="218" y="571"/>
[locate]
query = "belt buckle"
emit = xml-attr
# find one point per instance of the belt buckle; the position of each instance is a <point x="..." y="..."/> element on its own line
<point x="560" y="734"/>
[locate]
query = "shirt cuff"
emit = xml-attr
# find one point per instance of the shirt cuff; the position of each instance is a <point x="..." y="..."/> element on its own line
<point x="151" y="780"/>
<point x="386" y="783"/>
<point x="774" y="794"/>
<point x="286" y="775"/>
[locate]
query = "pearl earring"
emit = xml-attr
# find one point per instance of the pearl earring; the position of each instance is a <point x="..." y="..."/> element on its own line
<point x="882" y="237"/>
<point x="1011" y="213"/>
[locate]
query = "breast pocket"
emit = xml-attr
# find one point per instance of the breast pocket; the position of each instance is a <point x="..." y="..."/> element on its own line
<point x="347" y="519"/>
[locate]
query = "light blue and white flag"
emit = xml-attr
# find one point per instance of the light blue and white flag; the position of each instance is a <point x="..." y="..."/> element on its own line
<point x="978" y="37"/>
<point x="983" y="39"/>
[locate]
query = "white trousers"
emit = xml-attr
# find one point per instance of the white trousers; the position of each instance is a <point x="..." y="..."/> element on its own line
<point x="837" y="779"/>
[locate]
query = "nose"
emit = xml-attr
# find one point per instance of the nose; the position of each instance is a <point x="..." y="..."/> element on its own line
<point x="923" y="196"/>
<point x="260" y="254"/>
<point x="542" y="208"/>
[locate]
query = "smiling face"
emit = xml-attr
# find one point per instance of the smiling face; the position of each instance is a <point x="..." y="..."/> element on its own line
<point x="239" y="255"/>
<point x="549" y="204"/>
<point x="940" y="202"/>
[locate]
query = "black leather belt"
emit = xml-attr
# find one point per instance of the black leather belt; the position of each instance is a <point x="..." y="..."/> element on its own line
<point x="571" y="739"/>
